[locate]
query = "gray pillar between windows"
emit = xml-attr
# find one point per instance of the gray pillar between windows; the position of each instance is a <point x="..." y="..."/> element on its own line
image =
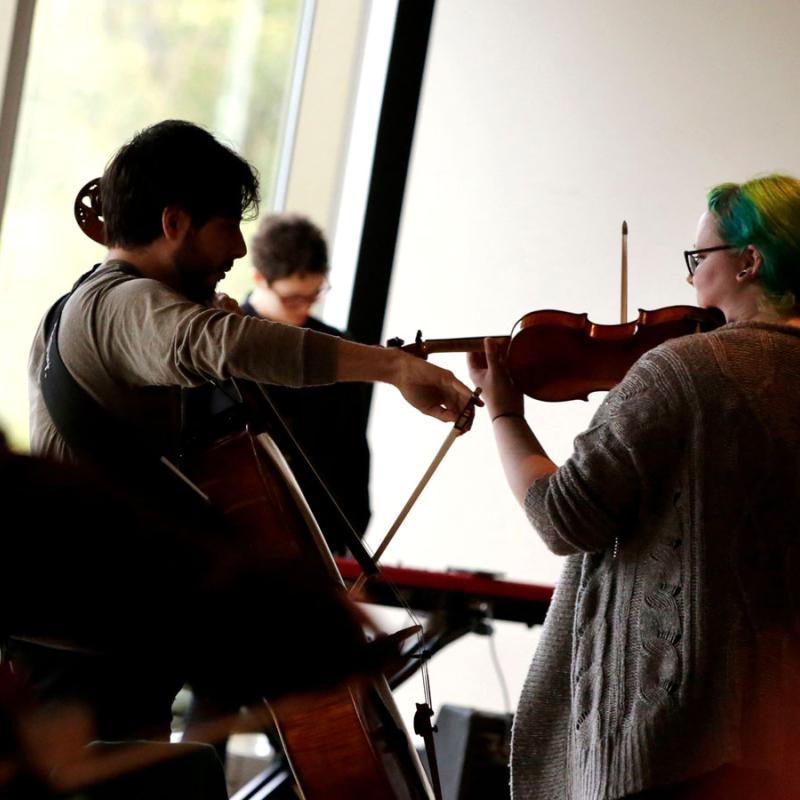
<point x="16" y="65"/>
<point x="390" y="169"/>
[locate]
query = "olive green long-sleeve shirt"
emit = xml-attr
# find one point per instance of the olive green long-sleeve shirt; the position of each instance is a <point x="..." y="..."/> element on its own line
<point x="132" y="343"/>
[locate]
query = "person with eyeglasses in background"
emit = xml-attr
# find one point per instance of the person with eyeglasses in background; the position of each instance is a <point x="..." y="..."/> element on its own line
<point x="669" y="664"/>
<point x="290" y="258"/>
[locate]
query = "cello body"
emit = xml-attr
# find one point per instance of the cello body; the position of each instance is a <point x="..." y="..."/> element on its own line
<point x="345" y="743"/>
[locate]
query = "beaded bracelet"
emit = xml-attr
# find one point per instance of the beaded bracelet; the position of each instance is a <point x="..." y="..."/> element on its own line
<point x="508" y="414"/>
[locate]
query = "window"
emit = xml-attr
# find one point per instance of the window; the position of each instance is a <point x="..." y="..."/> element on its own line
<point x="98" y="71"/>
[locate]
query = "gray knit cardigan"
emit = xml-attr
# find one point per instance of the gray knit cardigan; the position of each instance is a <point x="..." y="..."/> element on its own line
<point x="671" y="646"/>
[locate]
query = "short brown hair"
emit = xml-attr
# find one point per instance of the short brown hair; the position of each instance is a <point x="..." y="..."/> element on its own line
<point x="289" y="244"/>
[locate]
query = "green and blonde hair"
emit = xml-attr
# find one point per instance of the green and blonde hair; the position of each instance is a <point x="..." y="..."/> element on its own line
<point x="765" y="213"/>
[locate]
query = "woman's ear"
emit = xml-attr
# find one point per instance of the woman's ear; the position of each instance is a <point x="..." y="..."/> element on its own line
<point x="752" y="261"/>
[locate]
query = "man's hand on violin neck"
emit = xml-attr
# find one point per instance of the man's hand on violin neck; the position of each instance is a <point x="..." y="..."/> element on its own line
<point x="431" y="389"/>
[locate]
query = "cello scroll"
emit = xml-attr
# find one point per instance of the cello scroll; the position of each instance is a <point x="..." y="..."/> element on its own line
<point x="88" y="210"/>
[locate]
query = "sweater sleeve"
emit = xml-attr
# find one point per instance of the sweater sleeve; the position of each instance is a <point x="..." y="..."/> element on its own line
<point x="594" y="497"/>
<point x="156" y="337"/>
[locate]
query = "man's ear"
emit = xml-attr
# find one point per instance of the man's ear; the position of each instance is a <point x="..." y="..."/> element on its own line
<point x="174" y="223"/>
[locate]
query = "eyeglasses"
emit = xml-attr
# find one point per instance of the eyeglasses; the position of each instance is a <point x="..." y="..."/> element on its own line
<point x="300" y="300"/>
<point x="692" y="262"/>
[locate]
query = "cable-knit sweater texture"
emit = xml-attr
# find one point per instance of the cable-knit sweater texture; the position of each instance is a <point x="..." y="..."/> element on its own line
<point x="671" y="646"/>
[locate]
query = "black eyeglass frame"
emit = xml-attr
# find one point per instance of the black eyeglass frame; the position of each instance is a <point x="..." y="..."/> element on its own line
<point x="689" y="255"/>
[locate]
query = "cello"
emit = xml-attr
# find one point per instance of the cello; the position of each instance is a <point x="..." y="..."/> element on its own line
<point x="342" y="743"/>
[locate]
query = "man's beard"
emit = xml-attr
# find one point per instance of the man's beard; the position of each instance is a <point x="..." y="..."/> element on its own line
<point x="196" y="291"/>
<point x="193" y="274"/>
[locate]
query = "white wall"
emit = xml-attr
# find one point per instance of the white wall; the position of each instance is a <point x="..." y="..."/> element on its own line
<point x="543" y="125"/>
<point x="326" y="109"/>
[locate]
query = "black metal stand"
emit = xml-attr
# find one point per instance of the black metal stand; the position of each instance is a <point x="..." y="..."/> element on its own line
<point x="275" y="782"/>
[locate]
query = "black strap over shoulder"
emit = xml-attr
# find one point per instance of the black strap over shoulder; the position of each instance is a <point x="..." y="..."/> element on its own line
<point x="88" y="428"/>
<point x="107" y="442"/>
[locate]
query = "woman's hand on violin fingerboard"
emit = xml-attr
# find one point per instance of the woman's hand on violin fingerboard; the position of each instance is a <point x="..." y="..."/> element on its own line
<point x="488" y="371"/>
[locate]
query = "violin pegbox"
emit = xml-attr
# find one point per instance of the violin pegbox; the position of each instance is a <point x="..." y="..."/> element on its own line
<point x="418" y="348"/>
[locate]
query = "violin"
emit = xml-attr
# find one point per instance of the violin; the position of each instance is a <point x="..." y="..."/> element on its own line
<point x="559" y="355"/>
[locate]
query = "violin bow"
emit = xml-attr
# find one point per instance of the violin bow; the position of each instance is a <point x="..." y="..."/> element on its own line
<point x="461" y="425"/>
<point x="623" y="313"/>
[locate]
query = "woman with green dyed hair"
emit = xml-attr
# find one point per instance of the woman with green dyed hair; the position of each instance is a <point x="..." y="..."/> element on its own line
<point x="755" y="228"/>
<point x="669" y="664"/>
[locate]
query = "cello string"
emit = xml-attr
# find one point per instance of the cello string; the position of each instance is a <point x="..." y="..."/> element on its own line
<point x="307" y="463"/>
<point x="421" y="651"/>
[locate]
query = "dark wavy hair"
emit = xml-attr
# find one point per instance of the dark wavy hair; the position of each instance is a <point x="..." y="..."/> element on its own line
<point x="289" y="244"/>
<point x="173" y="163"/>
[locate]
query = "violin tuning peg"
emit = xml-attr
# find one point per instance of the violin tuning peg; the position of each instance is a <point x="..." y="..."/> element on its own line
<point x="418" y="340"/>
<point x="395" y="342"/>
